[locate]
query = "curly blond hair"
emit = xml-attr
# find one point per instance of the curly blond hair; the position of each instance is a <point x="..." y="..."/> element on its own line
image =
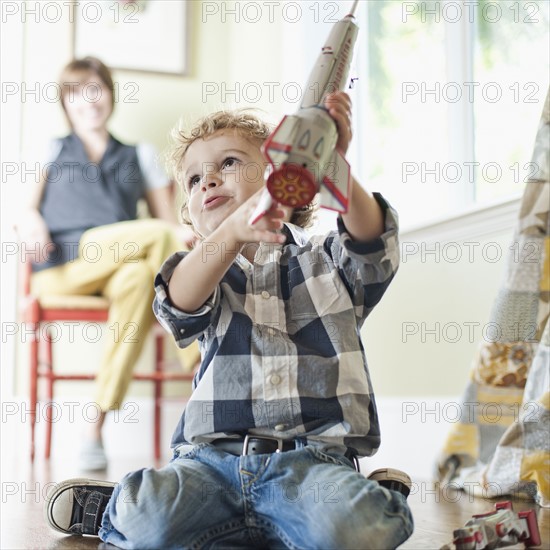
<point x="248" y="125"/>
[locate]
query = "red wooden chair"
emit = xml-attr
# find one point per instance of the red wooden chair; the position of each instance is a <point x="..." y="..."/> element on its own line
<point x="54" y="308"/>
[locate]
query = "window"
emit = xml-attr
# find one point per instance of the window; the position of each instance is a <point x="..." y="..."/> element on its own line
<point x="448" y="101"/>
<point x="511" y="64"/>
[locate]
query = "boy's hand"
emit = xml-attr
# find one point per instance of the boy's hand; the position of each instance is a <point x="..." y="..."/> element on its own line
<point x="264" y="230"/>
<point x="339" y="108"/>
<point x="211" y="258"/>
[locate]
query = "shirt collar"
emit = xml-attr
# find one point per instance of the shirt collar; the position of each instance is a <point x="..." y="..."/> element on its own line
<point x="294" y="235"/>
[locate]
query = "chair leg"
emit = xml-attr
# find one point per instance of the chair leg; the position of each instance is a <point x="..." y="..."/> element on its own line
<point x="33" y="386"/>
<point x="159" y="358"/>
<point x="50" y="381"/>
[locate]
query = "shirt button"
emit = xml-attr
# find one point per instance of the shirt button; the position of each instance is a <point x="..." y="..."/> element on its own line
<point x="265" y="295"/>
<point x="279" y="427"/>
<point x="182" y="331"/>
<point x="275" y="379"/>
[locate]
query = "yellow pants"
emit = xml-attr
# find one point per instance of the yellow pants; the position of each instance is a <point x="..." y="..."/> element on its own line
<point x="118" y="261"/>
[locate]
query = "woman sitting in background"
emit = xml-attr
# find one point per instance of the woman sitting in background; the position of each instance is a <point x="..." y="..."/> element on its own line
<point x="83" y="216"/>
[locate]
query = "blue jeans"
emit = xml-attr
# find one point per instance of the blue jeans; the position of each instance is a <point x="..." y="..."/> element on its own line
<point x="206" y="498"/>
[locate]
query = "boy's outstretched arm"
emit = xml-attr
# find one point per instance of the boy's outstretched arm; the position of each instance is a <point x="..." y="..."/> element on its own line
<point x="364" y="219"/>
<point x="199" y="273"/>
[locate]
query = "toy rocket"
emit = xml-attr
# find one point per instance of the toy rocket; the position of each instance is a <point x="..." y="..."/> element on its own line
<point x="301" y="151"/>
<point x="499" y="528"/>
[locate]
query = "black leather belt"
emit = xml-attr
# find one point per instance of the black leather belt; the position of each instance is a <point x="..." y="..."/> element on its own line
<point x="259" y="444"/>
<point x="254" y="445"/>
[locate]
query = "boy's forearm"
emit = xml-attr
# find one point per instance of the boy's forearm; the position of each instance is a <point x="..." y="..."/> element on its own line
<point x="364" y="219"/>
<point x="199" y="273"/>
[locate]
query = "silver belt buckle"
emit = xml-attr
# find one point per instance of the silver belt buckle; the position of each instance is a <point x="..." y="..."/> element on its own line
<point x="248" y="437"/>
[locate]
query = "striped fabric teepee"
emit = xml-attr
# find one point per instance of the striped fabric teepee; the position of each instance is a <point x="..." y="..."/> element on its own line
<point x="501" y="445"/>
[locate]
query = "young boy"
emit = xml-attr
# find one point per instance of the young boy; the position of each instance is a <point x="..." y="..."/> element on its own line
<point x="266" y="450"/>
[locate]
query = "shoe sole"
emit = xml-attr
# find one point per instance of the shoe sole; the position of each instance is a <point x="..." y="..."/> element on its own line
<point x="67" y="485"/>
<point x="390" y="474"/>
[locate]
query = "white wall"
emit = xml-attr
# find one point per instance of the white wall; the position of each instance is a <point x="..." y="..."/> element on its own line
<point x="11" y="39"/>
<point x="422" y="337"/>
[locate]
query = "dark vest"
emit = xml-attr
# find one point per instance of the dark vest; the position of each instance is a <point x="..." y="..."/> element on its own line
<point x="80" y="194"/>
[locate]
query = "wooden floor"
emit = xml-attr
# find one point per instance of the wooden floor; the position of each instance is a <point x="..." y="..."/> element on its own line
<point x="436" y="514"/>
<point x="24" y="486"/>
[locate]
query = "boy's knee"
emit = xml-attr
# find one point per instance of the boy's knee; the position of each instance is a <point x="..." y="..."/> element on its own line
<point x="382" y="520"/>
<point x="368" y="536"/>
<point x="394" y="526"/>
<point x="133" y="501"/>
<point x="145" y="502"/>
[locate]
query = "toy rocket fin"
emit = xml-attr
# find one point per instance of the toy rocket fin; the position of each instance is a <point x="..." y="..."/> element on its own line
<point x="278" y="145"/>
<point x="336" y="182"/>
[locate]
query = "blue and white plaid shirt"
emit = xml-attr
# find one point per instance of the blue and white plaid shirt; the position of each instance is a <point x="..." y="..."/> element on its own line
<point x="280" y="340"/>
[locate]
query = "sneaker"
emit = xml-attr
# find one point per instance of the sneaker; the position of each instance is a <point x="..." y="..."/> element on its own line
<point x="92" y="457"/>
<point x="76" y="506"/>
<point x="393" y="479"/>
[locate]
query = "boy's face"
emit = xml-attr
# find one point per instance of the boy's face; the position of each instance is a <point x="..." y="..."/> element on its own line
<point x="220" y="173"/>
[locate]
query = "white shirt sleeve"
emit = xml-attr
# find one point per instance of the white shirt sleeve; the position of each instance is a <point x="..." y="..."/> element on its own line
<point x="153" y="174"/>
